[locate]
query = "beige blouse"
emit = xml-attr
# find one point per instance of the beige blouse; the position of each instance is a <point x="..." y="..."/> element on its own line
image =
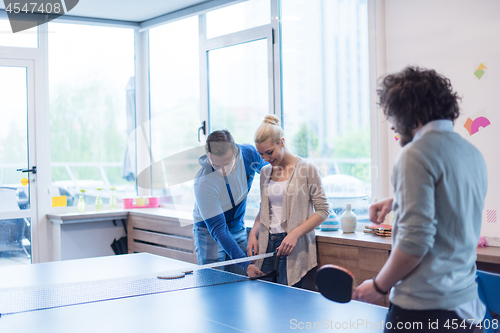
<point x="303" y="196"/>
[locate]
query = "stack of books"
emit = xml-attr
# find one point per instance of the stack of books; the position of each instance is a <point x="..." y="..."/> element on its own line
<point x="384" y="230"/>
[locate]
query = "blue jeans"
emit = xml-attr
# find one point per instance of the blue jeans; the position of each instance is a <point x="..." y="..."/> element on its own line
<point x="209" y="251"/>
<point x="273" y="243"/>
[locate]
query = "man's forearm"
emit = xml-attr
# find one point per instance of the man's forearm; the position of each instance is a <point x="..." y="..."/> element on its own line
<point x="219" y="231"/>
<point x="397" y="267"/>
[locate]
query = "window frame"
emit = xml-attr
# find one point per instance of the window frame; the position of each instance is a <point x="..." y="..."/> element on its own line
<point x="42" y="246"/>
<point x="229" y="40"/>
<point x="39" y="126"/>
<point x="380" y="180"/>
<point x="97" y="23"/>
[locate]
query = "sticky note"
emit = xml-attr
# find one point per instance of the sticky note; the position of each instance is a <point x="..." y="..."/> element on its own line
<point x="59" y="201"/>
<point x="480" y="71"/>
<point x="491" y="216"/>
<point x="482" y="66"/>
<point x="473" y="126"/>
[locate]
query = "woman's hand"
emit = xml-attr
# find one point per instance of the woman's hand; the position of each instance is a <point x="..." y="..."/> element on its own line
<point x="288" y="244"/>
<point x="253" y="271"/>
<point x="252" y="245"/>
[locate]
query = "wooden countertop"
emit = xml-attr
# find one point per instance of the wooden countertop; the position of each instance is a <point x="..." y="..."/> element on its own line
<point x="354" y="239"/>
<point x="486" y="254"/>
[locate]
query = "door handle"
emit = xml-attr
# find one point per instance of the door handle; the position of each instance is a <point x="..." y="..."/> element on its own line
<point x="28" y="170"/>
<point x="203" y="128"/>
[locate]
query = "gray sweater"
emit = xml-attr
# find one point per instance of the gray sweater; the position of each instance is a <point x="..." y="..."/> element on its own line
<point x="302" y="197"/>
<point x="440" y="183"/>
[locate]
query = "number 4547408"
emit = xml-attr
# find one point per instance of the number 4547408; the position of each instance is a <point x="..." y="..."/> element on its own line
<point x="34" y="8"/>
<point x="455" y="324"/>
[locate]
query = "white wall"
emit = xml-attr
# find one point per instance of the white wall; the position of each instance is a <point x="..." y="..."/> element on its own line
<point x="454" y="37"/>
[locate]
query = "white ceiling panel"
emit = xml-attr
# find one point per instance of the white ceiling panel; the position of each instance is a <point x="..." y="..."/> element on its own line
<point x="127" y="10"/>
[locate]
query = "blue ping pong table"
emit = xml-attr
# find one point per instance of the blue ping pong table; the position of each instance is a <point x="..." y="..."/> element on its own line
<point x="245" y="306"/>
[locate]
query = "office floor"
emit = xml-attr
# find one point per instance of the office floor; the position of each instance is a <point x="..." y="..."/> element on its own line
<point x="13" y="258"/>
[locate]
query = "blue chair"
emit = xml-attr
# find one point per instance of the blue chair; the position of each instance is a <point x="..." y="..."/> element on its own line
<point x="489" y="293"/>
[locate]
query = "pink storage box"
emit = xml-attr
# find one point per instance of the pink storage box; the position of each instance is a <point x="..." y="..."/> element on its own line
<point x="153" y="203"/>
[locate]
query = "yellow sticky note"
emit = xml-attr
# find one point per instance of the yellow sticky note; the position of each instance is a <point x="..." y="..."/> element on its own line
<point x="482" y="66"/>
<point x="59" y="201"/>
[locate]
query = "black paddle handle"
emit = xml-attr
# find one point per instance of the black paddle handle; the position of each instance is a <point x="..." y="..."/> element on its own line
<point x="274" y="273"/>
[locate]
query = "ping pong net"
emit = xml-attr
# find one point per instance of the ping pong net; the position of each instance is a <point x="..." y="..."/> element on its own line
<point x="27" y="299"/>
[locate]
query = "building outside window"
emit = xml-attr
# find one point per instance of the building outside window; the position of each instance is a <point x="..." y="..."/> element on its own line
<point x="325" y="84"/>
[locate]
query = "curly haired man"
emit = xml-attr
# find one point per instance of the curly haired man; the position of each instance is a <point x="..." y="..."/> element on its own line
<point x="439" y="181"/>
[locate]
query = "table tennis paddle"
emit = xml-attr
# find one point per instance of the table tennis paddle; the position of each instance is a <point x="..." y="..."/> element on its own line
<point x="335" y="283"/>
<point x="172" y="276"/>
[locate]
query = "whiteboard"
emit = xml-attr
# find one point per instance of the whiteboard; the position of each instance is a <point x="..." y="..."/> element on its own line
<point x="455" y="37"/>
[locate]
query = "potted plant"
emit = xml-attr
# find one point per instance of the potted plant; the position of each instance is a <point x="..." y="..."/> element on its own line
<point x="112" y="200"/>
<point x="81" y="202"/>
<point x="98" y="201"/>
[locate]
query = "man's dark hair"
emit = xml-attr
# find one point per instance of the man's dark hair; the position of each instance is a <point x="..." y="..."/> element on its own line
<point x="416" y="94"/>
<point x="219" y="142"/>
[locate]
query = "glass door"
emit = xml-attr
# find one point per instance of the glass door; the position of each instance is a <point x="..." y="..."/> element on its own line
<point x="17" y="161"/>
<point x="240" y="88"/>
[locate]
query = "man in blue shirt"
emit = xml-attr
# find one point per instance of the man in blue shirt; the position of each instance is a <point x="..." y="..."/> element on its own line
<point x="221" y="187"/>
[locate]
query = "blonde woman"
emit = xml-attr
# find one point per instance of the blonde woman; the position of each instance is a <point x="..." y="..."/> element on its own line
<point x="293" y="204"/>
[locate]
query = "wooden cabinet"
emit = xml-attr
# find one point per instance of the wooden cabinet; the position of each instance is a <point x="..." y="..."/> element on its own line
<point x="488" y="259"/>
<point x="364" y="263"/>
<point x="164" y="236"/>
<point x="169" y="233"/>
<point x="360" y="258"/>
<point x="364" y="254"/>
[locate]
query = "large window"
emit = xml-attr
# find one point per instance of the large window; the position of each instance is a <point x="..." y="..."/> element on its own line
<point x="239" y="88"/>
<point x="14" y="127"/>
<point x="175" y="111"/>
<point x="92" y="110"/>
<point x="240" y="75"/>
<point x="237" y="94"/>
<point x="239" y="97"/>
<point x="326" y="94"/>
<point x="26" y="38"/>
<point x="325" y="97"/>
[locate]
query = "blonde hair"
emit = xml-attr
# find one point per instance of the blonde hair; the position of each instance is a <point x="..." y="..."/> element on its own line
<point x="269" y="129"/>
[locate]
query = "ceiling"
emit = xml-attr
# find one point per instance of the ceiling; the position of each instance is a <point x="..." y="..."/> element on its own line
<point x="127" y="10"/>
